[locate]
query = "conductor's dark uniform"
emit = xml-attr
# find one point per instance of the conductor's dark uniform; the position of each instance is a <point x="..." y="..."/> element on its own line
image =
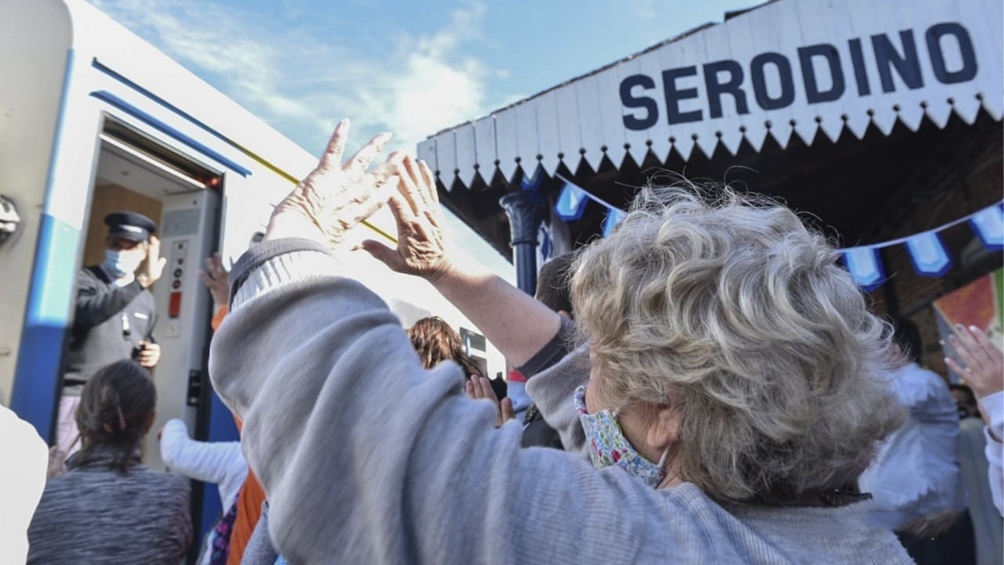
<point x="110" y="321"/>
<point x="109" y="324"/>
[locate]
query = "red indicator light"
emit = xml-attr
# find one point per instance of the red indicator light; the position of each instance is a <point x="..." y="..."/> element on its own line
<point x="174" y="306"/>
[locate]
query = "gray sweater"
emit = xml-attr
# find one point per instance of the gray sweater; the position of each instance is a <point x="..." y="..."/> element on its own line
<point x="369" y="458"/>
<point x="99" y="516"/>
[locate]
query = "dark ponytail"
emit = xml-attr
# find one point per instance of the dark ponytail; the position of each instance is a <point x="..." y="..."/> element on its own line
<point x="116" y="408"/>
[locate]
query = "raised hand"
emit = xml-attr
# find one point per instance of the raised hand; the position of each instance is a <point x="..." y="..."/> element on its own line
<point x="153" y="266"/>
<point x="982" y="363"/>
<point x="479" y="388"/>
<point x="335" y="196"/>
<point x="421" y="246"/>
<point x="217" y="279"/>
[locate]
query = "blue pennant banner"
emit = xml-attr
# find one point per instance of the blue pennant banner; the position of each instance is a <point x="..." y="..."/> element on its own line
<point x="864" y="265"/>
<point x="929" y="255"/>
<point x="927" y="250"/>
<point x="614" y="217"/>
<point x="989" y="225"/>
<point x="571" y="203"/>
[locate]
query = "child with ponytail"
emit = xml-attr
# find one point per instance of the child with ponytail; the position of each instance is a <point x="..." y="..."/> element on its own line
<point x="109" y="507"/>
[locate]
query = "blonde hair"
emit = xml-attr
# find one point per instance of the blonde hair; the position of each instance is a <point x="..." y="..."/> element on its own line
<point x="734" y="312"/>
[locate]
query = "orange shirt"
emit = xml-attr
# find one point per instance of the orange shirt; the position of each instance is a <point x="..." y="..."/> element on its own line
<point x="248" y="511"/>
<point x="218" y="317"/>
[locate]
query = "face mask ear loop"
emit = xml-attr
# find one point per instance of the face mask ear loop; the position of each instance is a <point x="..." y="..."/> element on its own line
<point x="665" y="457"/>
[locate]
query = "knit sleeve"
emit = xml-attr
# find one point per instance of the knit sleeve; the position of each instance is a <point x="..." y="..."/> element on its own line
<point x="552" y="391"/>
<point x="560" y="345"/>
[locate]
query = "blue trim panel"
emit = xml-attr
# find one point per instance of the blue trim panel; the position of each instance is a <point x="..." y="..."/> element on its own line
<point x="37" y="377"/>
<point x="221" y="429"/>
<point x="162" y="127"/>
<point x="145" y="92"/>
<point x="36" y="389"/>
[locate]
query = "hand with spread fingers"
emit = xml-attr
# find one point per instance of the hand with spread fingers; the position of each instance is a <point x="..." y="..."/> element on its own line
<point x="478" y="387"/>
<point x="982" y="364"/>
<point x="421" y="246"/>
<point x="335" y="196"/>
<point x="217" y="279"/>
<point x="153" y="265"/>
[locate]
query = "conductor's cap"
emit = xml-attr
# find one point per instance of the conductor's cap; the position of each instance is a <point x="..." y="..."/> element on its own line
<point x="130" y="225"/>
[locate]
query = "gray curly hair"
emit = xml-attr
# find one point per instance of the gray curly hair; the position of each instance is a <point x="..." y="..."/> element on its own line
<point x="731" y="309"/>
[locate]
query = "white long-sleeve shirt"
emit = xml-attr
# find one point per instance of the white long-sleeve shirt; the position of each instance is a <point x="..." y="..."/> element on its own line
<point x="219" y="463"/>
<point x="916" y="471"/>
<point x="993" y="407"/>
<point x="22" y="473"/>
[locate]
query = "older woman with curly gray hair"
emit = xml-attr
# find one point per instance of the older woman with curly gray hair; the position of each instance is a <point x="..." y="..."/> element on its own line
<point x="719" y="408"/>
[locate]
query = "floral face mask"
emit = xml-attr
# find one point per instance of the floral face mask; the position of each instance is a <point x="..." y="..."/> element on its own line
<point x="608" y="446"/>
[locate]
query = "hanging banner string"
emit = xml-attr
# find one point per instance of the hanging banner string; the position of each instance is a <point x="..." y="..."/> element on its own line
<point x="583" y="191"/>
<point x="929" y="254"/>
<point x="940" y="228"/>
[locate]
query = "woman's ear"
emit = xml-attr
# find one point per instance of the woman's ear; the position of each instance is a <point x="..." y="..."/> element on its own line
<point x="664" y="428"/>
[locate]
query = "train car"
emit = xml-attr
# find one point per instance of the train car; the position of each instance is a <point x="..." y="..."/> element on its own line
<point x="94" y="119"/>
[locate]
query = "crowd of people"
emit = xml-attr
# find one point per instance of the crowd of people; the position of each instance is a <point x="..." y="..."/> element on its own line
<point x="706" y="384"/>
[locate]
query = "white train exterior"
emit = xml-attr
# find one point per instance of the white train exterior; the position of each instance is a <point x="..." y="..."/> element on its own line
<point x="93" y="118"/>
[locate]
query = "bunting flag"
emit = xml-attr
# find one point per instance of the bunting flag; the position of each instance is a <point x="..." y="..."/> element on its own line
<point x="927" y="250"/>
<point x="571" y="203"/>
<point x="614" y="217"/>
<point x="929" y="255"/>
<point x="864" y="265"/>
<point x="989" y="225"/>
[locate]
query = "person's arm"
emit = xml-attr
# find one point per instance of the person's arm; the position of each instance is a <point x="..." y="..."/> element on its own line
<point x="22" y="470"/>
<point x="219" y="463"/>
<point x="369" y="458"/>
<point x="552" y="392"/>
<point x="981" y="363"/>
<point x="97" y="303"/>
<point x="993" y="409"/>
<point x="217" y="279"/>
<point x="513" y="321"/>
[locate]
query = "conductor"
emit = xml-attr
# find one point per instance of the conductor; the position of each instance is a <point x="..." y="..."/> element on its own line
<point x="115" y="314"/>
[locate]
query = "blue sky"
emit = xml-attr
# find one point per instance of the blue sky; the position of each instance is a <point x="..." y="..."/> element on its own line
<point x="412" y="68"/>
<point x="408" y="67"/>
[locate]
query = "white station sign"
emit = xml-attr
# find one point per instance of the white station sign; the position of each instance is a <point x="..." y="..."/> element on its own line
<point x="789" y="67"/>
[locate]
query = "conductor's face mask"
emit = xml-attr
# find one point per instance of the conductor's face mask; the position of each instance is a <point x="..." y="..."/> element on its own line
<point x="125" y="262"/>
<point x="608" y="446"/>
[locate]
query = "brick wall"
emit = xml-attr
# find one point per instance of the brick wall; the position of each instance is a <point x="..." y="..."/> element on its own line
<point x="977" y="183"/>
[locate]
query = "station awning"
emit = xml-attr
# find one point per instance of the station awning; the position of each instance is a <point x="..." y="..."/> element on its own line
<point x="786" y="68"/>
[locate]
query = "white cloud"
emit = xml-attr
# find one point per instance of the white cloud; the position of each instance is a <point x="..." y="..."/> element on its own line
<point x="642" y="9"/>
<point x="302" y="83"/>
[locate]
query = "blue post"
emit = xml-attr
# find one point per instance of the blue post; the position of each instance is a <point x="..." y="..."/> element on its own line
<point x="525" y="212"/>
